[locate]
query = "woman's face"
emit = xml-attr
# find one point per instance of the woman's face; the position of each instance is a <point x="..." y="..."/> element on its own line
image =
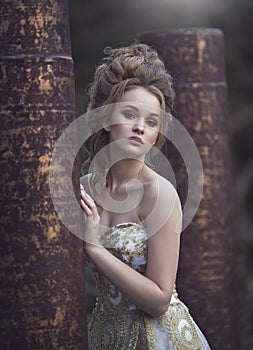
<point x="135" y="121"/>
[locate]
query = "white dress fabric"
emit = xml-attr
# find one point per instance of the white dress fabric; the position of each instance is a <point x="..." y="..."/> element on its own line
<point x="116" y="324"/>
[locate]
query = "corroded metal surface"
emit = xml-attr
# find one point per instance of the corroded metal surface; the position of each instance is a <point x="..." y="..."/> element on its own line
<point x="195" y="57"/>
<point x="42" y="279"/>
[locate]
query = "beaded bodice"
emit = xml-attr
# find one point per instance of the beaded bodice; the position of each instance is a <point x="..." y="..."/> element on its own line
<point x="116" y="323"/>
<point x="128" y="242"/>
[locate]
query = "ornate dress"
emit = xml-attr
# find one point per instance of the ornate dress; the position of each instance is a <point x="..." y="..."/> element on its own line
<point x="116" y="324"/>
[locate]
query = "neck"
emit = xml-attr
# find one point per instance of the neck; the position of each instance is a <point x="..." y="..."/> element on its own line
<point x="123" y="171"/>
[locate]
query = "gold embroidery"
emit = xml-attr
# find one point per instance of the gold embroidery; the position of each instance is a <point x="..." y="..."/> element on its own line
<point x="118" y="324"/>
<point x="182" y="330"/>
<point x="178" y="323"/>
<point x="107" y="332"/>
<point x="152" y="343"/>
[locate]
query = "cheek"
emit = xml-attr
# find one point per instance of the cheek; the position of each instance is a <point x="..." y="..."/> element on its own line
<point x="118" y="130"/>
<point x="152" y="137"/>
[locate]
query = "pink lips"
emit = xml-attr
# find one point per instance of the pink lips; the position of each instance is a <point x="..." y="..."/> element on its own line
<point x="135" y="138"/>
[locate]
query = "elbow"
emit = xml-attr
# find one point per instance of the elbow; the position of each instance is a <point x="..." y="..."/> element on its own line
<point x="159" y="311"/>
<point x="159" y="308"/>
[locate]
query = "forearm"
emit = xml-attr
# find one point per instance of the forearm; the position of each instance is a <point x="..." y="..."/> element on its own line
<point x="139" y="289"/>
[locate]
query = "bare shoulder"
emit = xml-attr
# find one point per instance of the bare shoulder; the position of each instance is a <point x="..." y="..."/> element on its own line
<point x="161" y="203"/>
<point x="160" y="188"/>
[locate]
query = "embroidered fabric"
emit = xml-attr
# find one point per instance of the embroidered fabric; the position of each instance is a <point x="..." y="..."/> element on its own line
<point x="117" y="324"/>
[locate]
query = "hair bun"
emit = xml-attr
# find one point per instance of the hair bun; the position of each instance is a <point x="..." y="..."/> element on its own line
<point x="138" y="65"/>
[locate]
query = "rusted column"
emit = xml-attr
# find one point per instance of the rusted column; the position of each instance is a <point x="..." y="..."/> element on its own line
<point x="42" y="278"/>
<point x="195" y="58"/>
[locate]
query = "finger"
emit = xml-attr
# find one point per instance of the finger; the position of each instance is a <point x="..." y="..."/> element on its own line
<point x="90" y="211"/>
<point x="90" y="204"/>
<point x="82" y="194"/>
<point x="86" y="209"/>
<point x="88" y="200"/>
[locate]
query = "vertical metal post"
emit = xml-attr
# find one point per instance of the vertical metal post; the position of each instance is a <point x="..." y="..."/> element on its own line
<point x="195" y="58"/>
<point x="42" y="279"/>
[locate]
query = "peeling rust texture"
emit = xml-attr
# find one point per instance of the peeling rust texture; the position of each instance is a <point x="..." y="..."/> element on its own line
<point x="195" y="58"/>
<point x="42" y="280"/>
<point x="35" y="27"/>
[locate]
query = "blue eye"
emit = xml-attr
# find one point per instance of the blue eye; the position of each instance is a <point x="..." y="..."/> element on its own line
<point x="152" y="122"/>
<point x="129" y="115"/>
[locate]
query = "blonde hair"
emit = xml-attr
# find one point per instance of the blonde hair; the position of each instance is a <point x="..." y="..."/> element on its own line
<point x="122" y="69"/>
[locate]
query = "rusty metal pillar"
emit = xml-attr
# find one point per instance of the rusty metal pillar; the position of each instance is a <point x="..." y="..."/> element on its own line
<point x="42" y="280"/>
<point x="195" y="58"/>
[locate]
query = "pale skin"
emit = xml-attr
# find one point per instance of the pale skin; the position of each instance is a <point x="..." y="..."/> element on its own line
<point x="150" y="292"/>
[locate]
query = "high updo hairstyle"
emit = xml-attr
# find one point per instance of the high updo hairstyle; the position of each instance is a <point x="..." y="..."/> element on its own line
<point x="122" y="69"/>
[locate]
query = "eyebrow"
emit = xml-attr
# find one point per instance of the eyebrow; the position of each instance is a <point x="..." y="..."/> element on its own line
<point x="137" y="110"/>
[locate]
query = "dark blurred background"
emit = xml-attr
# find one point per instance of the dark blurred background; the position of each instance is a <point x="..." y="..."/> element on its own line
<point x="98" y="23"/>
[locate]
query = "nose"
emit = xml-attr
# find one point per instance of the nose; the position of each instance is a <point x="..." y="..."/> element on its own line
<point x="138" y="128"/>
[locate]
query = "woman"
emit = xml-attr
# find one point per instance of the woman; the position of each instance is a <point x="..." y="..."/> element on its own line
<point x="133" y="215"/>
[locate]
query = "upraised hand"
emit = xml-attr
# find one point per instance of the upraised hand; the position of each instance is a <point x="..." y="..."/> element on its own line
<point x="91" y="217"/>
